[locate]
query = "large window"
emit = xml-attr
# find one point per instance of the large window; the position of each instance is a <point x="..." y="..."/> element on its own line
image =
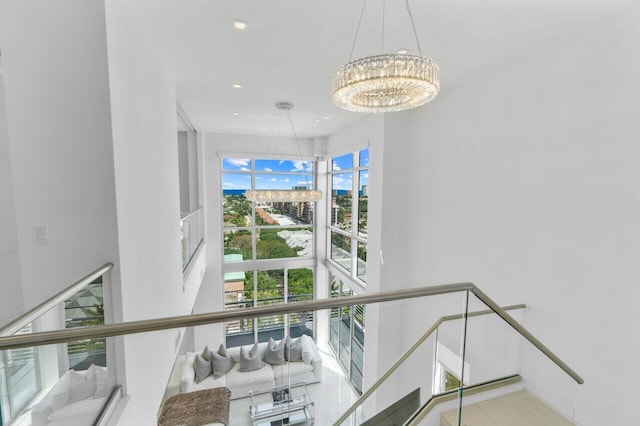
<point x="346" y="334"/>
<point x="349" y="189"/>
<point x="268" y="247"/>
<point x="270" y="230"/>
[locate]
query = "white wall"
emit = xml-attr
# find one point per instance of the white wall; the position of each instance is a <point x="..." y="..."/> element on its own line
<point x="144" y="114"/>
<point x="526" y="183"/>
<point x="57" y="96"/>
<point x="11" y="282"/>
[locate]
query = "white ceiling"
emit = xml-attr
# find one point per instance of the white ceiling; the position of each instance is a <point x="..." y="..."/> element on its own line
<point x="292" y="48"/>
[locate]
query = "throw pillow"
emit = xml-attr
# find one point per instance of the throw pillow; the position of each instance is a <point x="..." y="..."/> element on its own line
<point x="250" y="360"/>
<point x="80" y="386"/>
<point x="293" y="351"/>
<point x="102" y="379"/>
<point x="307" y="348"/>
<point x="274" y="352"/>
<point x="206" y="353"/>
<point x="202" y="368"/>
<point x="59" y="394"/>
<point x="221" y="362"/>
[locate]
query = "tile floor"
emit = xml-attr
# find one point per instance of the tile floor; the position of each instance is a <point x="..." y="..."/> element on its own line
<point x="332" y="396"/>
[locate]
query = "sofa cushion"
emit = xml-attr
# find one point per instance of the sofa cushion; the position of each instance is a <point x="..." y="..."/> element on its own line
<point x="250" y="360"/>
<point x="87" y="407"/>
<point x="221" y="362"/>
<point x="188" y="374"/>
<point x="293" y="350"/>
<point x="291" y="369"/>
<point x="81" y="385"/>
<point x="254" y="380"/>
<point x="206" y="353"/>
<point x="274" y="352"/>
<point x="202" y="368"/>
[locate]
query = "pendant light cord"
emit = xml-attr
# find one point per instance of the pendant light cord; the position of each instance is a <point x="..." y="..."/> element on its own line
<point x="295" y="138"/>
<point x="413" y="24"/>
<point x="353" y="46"/>
<point x="384" y="3"/>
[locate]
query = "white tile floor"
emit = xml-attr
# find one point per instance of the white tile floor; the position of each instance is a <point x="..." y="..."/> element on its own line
<point x="332" y="396"/>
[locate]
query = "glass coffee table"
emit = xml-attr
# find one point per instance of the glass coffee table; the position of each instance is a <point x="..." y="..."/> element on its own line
<point x="284" y="405"/>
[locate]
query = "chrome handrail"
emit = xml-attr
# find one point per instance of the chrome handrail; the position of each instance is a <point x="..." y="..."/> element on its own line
<point x="62" y="336"/>
<point x="408" y="353"/>
<point x="45" y="306"/>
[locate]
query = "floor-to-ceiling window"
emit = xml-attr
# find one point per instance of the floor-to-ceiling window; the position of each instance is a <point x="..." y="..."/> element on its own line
<point x="268" y="247"/>
<point x="347" y="256"/>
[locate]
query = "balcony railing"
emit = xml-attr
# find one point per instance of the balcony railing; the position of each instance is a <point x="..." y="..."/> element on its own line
<point x="192" y="235"/>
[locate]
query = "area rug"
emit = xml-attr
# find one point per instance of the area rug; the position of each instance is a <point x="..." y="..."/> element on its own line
<point x="196" y="408"/>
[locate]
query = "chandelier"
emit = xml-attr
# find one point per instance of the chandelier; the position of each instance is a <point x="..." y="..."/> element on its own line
<point x="386" y="82"/>
<point x="297" y="194"/>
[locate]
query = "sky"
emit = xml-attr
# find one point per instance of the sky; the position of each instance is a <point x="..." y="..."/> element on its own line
<point x="285" y="174"/>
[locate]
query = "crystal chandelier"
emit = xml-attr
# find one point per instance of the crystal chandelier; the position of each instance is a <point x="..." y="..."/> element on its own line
<point x="386" y="82"/>
<point x="285" y="195"/>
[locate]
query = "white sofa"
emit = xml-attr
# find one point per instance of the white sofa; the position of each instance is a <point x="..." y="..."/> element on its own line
<point x="308" y="370"/>
<point x="75" y="400"/>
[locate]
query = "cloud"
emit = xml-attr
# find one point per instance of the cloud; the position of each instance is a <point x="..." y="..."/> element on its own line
<point x="302" y="166"/>
<point x="258" y="177"/>
<point x="336" y="168"/>
<point x="273" y="180"/>
<point x="286" y="180"/>
<point x="239" y="162"/>
<point x="244" y="169"/>
<point x="267" y="169"/>
<point x="228" y="184"/>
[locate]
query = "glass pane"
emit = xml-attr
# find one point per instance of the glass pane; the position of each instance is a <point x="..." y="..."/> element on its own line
<point x="364" y="157"/>
<point x="236" y="209"/>
<point x="86" y="308"/>
<point x="240" y="164"/>
<point x="280" y="243"/>
<point x="362" y="261"/>
<point x="284" y="214"/>
<point x="343" y="162"/>
<point x="341" y="186"/>
<point x="363" y="201"/>
<point x="238" y="245"/>
<point x="300" y="286"/>
<point x="334" y="320"/>
<point x="345" y="337"/>
<point x="341" y="250"/>
<point x="235" y="183"/>
<point x="21" y="375"/>
<point x="270" y="292"/>
<point x="277" y="166"/>
<point x="236" y="285"/>
<point x="282" y="181"/>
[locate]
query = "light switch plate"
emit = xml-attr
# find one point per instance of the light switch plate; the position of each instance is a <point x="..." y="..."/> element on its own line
<point x="41" y="234"/>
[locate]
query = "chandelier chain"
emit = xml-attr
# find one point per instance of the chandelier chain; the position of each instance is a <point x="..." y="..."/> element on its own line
<point x="413" y="24"/>
<point x="384" y="3"/>
<point x="353" y="46"/>
<point x="295" y="137"/>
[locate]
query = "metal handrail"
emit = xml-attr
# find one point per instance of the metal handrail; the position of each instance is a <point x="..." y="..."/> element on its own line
<point x="408" y="353"/>
<point x="34" y="313"/>
<point x="62" y="336"/>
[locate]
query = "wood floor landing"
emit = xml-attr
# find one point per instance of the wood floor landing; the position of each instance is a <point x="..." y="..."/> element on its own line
<point x="518" y="408"/>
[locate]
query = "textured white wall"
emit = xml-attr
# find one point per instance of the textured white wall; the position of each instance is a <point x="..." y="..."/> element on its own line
<point x="11" y="282"/>
<point x="525" y="181"/>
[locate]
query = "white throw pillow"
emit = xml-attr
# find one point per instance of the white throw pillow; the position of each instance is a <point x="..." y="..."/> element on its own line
<point x="188" y="374"/>
<point x="307" y="348"/>
<point x="81" y="386"/>
<point x="102" y="379"/>
<point x="59" y="394"/>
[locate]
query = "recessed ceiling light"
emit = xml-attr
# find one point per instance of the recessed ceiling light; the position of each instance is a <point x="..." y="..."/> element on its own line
<point x="316" y="120"/>
<point x="236" y="113"/>
<point x="235" y="130"/>
<point x="327" y="118"/>
<point x="300" y="133"/>
<point x="239" y="25"/>
<point x="236" y="86"/>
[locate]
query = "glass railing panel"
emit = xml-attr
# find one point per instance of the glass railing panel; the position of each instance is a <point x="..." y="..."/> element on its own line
<point x="542" y="394"/>
<point x="191" y="235"/>
<point x="400" y="340"/>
